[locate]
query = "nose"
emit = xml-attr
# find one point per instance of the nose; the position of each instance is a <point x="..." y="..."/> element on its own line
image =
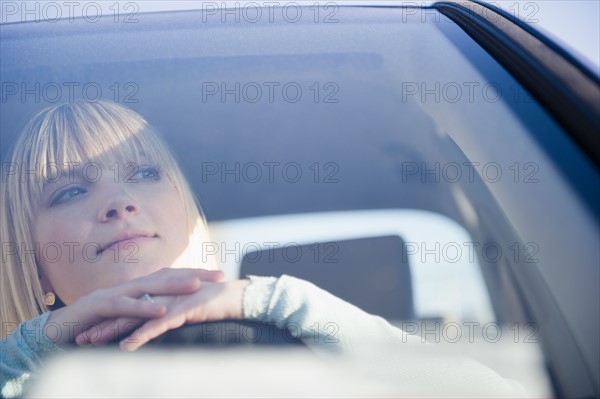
<point x="119" y="207"/>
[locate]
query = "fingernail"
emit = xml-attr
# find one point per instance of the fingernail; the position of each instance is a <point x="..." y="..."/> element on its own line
<point x="123" y="345"/>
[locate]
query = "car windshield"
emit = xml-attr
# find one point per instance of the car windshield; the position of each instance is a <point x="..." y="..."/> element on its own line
<point x="383" y="139"/>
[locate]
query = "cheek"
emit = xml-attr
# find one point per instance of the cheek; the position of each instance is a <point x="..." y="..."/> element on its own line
<point x="173" y="220"/>
<point x="177" y="216"/>
<point x="171" y="201"/>
<point x="67" y="224"/>
<point x="63" y="231"/>
<point x="54" y="237"/>
<point x="58" y="242"/>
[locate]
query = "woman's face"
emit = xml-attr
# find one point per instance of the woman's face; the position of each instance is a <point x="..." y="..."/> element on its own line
<point x="100" y="226"/>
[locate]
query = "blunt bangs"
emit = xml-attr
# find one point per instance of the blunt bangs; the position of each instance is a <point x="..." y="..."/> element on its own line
<point x="79" y="135"/>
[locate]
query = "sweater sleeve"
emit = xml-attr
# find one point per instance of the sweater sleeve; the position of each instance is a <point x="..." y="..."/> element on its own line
<point x="21" y="354"/>
<point x="330" y="325"/>
<point x="321" y="320"/>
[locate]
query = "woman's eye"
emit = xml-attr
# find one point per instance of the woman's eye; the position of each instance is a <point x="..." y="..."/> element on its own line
<point x="151" y="174"/>
<point x="67" y="195"/>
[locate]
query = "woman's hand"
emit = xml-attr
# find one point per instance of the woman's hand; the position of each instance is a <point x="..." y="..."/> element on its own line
<point x="212" y="302"/>
<point x="122" y="302"/>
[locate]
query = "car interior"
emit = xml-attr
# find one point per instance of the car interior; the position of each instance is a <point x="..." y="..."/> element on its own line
<point x="328" y="155"/>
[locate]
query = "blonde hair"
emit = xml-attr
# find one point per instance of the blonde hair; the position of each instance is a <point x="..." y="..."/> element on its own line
<point x="58" y="136"/>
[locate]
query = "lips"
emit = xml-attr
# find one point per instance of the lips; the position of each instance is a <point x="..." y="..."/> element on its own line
<point x="125" y="236"/>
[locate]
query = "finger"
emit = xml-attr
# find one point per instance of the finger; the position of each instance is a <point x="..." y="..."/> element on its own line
<point x="115" y="317"/>
<point x="150" y="330"/>
<point x="214" y="276"/>
<point x="107" y="331"/>
<point x="169" y="281"/>
<point x="86" y="336"/>
<point x="163" y="282"/>
<point x="124" y="306"/>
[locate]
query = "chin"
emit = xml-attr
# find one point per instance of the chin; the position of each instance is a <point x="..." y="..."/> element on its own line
<point x="126" y="272"/>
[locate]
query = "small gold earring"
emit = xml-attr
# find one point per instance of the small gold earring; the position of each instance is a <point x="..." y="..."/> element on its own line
<point x="49" y="299"/>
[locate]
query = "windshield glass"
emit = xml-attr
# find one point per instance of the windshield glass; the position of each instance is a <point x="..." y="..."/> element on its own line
<point x="352" y="139"/>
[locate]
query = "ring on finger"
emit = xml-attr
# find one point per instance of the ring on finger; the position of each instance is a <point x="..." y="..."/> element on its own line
<point x="146" y="297"/>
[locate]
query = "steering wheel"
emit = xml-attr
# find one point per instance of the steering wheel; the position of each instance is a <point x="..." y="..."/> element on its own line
<point x="229" y="332"/>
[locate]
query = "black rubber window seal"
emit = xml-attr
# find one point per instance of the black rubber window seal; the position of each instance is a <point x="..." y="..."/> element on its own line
<point x="544" y="39"/>
<point x="569" y="93"/>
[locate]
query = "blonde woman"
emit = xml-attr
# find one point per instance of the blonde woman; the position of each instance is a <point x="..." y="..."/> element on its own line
<point x="100" y="230"/>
